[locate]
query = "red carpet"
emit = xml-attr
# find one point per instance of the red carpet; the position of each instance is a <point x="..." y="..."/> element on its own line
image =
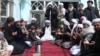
<point x="49" y="49"/>
<point x="29" y="52"/>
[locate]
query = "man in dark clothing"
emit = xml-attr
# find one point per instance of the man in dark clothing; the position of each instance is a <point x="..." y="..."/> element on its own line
<point x="91" y="12"/>
<point x="80" y="12"/>
<point x="71" y="13"/>
<point x="21" y="33"/>
<point x="51" y="14"/>
<point x="96" y="38"/>
<point x="10" y="34"/>
<point x="94" y="43"/>
<point x="33" y="23"/>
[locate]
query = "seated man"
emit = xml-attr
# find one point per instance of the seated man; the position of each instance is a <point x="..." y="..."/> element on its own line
<point x="5" y="49"/>
<point x="47" y="32"/>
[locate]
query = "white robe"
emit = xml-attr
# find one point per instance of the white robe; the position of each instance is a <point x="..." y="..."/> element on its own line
<point x="5" y="45"/>
<point x="47" y="36"/>
<point x="62" y="10"/>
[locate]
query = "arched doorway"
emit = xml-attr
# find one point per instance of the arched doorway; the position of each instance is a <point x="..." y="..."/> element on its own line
<point x="38" y="10"/>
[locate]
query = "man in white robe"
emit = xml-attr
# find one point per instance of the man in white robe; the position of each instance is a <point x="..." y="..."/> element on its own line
<point x="61" y="9"/>
<point x="47" y="32"/>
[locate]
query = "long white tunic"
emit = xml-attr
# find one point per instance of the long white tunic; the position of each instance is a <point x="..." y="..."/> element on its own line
<point x="5" y="45"/>
<point x="47" y="36"/>
<point x="62" y="10"/>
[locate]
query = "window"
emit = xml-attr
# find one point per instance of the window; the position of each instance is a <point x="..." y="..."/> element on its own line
<point x="4" y="10"/>
<point x="38" y="10"/>
<point x="98" y="4"/>
<point x="37" y="5"/>
<point x="55" y="3"/>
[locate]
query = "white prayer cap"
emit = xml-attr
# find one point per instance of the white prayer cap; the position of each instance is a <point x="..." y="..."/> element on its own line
<point x="47" y="21"/>
<point x="61" y="4"/>
<point x="83" y="18"/>
<point x="25" y="19"/>
<point x="66" y="23"/>
<point x="63" y="19"/>
<point x="17" y="20"/>
<point x="1" y="34"/>
<point x="80" y="25"/>
<point x="33" y="19"/>
<point x="96" y="20"/>
<point x="75" y="21"/>
<point x="86" y="22"/>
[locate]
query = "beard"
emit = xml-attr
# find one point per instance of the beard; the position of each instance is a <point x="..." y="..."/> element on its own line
<point x="47" y="25"/>
<point x="97" y="31"/>
<point x="71" y="9"/>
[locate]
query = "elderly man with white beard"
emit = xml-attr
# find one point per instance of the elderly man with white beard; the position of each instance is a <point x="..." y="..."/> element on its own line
<point x="87" y="35"/>
<point x="61" y="9"/>
<point x="95" y="41"/>
<point x="71" y="12"/>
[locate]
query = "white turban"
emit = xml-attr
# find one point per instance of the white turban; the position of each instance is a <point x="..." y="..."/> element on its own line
<point x="61" y="4"/>
<point x="1" y="34"/>
<point x="25" y="19"/>
<point x="50" y="3"/>
<point x="83" y="18"/>
<point x="96" y="20"/>
<point x="75" y="21"/>
<point x="63" y="19"/>
<point x="47" y="21"/>
<point x="66" y="23"/>
<point x="17" y="20"/>
<point x="33" y="19"/>
<point x="80" y="25"/>
<point x="86" y="22"/>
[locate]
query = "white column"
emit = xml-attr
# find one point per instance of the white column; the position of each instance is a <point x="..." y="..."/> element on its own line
<point x="44" y="8"/>
<point x="0" y="10"/>
<point x="8" y="9"/>
<point x="16" y="11"/>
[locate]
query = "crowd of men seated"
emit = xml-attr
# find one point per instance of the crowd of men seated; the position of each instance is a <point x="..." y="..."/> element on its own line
<point x="75" y="29"/>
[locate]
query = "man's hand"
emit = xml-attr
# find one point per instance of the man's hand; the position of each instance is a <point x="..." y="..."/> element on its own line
<point x="4" y="53"/>
<point x="59" y="33"/>
<point x="86" y="42"/>
<point x="68" y="34"/>
<point x="14" y="33"/>
<point x="92" y="43"/>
